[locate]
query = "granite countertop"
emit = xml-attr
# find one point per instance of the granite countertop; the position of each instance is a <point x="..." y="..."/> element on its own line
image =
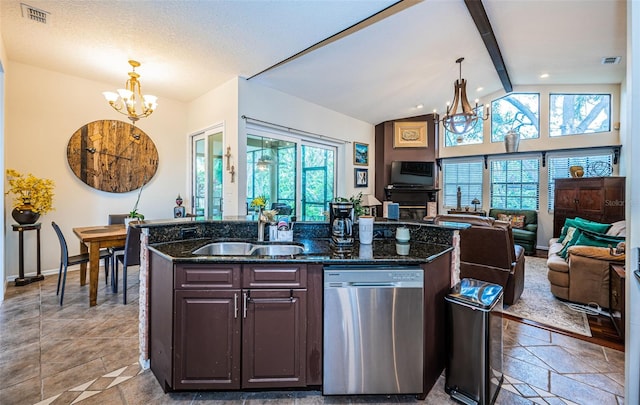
<point x="382" y="251"/>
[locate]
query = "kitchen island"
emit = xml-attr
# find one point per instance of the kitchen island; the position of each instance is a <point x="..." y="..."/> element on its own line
<point x="251" y="322"/>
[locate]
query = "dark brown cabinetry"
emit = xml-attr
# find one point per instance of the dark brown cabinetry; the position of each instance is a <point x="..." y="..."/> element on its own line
<point x="414" y="203"/>
<point x="598" y="199"/>
<point x="233" y="326"/>
<point x="207" y="340"/>
<point x="274" y="339"/>
<point x="385" y="153"/>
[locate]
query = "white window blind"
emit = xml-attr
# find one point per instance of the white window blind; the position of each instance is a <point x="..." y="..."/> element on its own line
<point x="464" y="174"/>
<point x="514" y="183"/>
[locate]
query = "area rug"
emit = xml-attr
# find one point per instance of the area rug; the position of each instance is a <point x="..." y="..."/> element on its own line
<point x="538" y="304"/>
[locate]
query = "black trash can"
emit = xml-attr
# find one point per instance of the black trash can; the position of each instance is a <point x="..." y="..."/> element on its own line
<point x="474" y="352"/>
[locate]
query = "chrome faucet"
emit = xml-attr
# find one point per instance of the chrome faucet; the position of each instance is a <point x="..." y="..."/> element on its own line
<point x="262" y="220"/>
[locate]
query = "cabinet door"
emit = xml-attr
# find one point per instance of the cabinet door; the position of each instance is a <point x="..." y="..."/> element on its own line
<point x="274" y="338"/>
<point x="591" y="200"/>
<point x="207" y="339"/>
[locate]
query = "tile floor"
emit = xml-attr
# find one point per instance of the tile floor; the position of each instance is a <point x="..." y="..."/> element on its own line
<point x="76" y="354"/>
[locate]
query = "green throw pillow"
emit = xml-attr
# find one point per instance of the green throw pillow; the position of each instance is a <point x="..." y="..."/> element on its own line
<point x="568" y="223"/>
<point x="573" y="234"/>
<point x="592" y="226"/>
<point x="590" y="239"/>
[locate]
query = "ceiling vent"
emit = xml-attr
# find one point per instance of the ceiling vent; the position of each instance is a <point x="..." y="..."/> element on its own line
<point x="611" y="60"/>
<point x="34" y="14"/>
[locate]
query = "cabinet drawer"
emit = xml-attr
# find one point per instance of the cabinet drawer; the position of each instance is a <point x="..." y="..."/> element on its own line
<point x="286" y="275"/>
<point x="207" y="275"/>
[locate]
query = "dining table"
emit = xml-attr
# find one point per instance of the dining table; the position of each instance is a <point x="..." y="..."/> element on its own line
<point x="92" y="239"/>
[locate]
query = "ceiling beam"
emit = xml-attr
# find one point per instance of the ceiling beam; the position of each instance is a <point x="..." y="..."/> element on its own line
<point x="479" y="15"/>
<point x="378" y="16"/>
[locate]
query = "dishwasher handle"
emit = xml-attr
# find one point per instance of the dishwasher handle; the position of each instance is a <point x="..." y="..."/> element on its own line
<point x="371" y="284"/>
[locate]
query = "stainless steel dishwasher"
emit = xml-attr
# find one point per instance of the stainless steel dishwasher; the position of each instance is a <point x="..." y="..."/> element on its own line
<point x="373" y="330"/>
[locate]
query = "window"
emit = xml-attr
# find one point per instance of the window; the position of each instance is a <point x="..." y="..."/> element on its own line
<point x="571" y="114"/>
<point x="271" y="170"/>
<point x="473" y="136"/>
<point x="559" y="168"/>
<point x="298" y="173"/>
<point x="318" y="167"/>
<point x="464" y="174"/>
<point x="514" y="184"/>
<point x="517" y="111"/>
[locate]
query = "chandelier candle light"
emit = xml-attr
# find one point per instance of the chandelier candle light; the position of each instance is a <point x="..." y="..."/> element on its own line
<point x="463" y="121"/>
<point x="130" y="101"/>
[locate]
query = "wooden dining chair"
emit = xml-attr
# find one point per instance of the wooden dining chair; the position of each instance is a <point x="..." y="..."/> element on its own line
<point x="129" y="257"/>
<point x="66" y="261"/>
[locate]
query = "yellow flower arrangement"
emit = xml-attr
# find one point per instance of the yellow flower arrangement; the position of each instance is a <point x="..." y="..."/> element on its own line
<point x="31" y="190"/>
<point x="259" y="202"/>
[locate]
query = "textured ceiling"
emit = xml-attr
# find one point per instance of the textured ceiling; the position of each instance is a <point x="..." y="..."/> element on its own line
<point x="380" y="71"/>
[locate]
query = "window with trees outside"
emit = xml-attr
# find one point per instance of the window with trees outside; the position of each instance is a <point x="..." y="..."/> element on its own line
<point x="571" y="114"/>
<point x="473" y="136"/>
<point x="519" y="112"/>
<point x="514" y="183"/>
<point x="293" y="173"/>
<point x="464" y="174"/>
<point x="558" y="166"/>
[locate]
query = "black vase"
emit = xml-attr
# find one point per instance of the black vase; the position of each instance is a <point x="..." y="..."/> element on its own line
<point x="24" y="215"/>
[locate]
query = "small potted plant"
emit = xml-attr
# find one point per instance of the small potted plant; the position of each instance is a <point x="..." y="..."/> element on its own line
<point x="134" y="215"/>
<point x="33" y="196"/>
<point x="358" y="209"/>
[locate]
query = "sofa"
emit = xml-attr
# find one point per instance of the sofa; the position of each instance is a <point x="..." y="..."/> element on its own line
<point x="524" y="224"/>
<point x="578" y="261"/>
<point x="488" y="253"/>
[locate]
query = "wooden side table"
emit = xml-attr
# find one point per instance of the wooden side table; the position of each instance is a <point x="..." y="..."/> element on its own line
<point x="617" y="277"/>
<point x="22" y="280"/>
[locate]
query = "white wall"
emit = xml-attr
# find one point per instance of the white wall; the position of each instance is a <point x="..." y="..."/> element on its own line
<point x="43" y="109"/>
<point x="218" y="106"/>
<point x="544" y="142"/>
<point x="263" y="103"/>
<point x="632" y="150"/>
<point x="3" y="59"/>
<point x="238" y="97"/>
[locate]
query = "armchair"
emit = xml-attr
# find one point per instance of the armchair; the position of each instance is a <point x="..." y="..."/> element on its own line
<point x="488" y="253"/>
<point x="525" y="233"/>
<point x="583" y="275"/>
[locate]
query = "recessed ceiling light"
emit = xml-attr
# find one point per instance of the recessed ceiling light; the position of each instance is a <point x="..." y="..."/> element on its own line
<point x="480" y="89"/>
<point x="420" y="106"/>
<point x="544" y="75"/>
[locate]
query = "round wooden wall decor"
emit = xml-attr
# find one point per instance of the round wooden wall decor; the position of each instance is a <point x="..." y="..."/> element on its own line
<point x="112" y="156"/>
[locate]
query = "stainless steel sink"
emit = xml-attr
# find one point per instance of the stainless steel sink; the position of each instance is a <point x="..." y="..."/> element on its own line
<point x="247" y="249"/>
<point x="276" y="250"/>
<point x="225" y="249"/>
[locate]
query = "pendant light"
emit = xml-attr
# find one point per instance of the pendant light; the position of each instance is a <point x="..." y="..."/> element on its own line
<point x="461" y="120"/>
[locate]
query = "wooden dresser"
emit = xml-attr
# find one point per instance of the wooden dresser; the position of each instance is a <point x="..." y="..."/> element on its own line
<point x="599" y="199"/>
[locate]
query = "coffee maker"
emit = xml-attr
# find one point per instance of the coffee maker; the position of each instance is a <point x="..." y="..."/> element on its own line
<point x="341" y="222"/>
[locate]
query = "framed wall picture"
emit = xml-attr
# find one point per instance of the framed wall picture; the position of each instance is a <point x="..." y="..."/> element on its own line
<point x="361" y="177"/>
<point x="360" y="154"/>
<point x="410" y="135"/>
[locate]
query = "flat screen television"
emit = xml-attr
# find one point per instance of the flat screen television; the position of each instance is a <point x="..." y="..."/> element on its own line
<point x="412" y="174"/>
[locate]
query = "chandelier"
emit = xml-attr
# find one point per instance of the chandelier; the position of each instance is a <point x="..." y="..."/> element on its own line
<point x="461" y="122"/>
<point x="265" y="160"/>
<point x="130" y="101"/>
